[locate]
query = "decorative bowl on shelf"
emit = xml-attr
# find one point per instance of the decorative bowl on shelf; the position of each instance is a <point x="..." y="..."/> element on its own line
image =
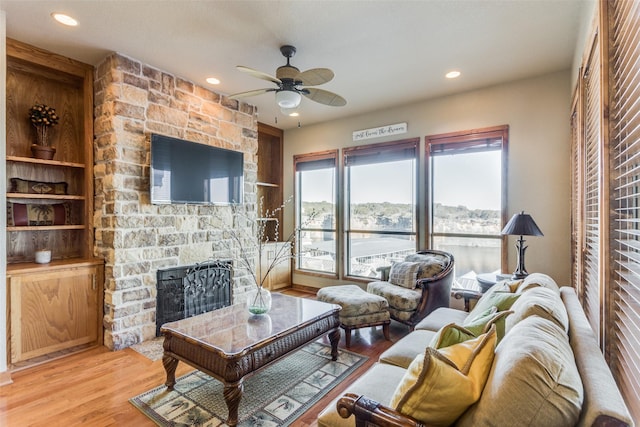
<point x="43" y="256"/>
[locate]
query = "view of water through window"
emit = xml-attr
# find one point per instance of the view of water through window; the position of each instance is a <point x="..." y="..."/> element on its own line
<point x="381" y="210"/>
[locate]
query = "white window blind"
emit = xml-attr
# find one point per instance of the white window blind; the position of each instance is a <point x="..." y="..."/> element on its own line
<point x="576" y="211"/>
<point x="591" y="226"/>
<point x="624" y="130"/>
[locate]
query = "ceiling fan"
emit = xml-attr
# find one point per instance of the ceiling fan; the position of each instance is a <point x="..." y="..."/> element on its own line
<point x="292" y="84"/>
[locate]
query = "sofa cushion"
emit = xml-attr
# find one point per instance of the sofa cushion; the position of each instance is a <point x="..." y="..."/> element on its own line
<point x="440" y="385"/>
<point x="538" y="279"/>
<point x="407" y="348"/>
<point x="539" y="301"/>
<point x="378" y="383"/>
<point x="441" y="317"/>
<point x="398" y="297"/>
<point x="430" y="264"/>
<point x="533" y="380"/>
<point x="404" y="274"/>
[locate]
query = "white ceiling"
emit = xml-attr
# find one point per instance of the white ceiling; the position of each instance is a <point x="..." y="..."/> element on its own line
<point x="384" y="53"/>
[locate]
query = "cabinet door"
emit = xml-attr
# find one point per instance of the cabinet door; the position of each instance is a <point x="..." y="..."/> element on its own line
<point x="280" y="275"/>
<point x="53" y="311"/>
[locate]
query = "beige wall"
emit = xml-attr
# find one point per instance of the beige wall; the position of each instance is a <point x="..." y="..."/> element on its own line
<point x="536" y="111"/>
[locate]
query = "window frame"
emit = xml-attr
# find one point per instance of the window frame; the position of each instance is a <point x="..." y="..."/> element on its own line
<point x="312" y="157"/>
<point x="388" y="150"/>
<point x="468" y="139"/>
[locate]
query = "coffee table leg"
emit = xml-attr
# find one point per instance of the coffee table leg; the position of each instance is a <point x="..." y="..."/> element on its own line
<point x="232" y="394"/>
<point x="170" y="364"/>
<point x="334" y="338"/>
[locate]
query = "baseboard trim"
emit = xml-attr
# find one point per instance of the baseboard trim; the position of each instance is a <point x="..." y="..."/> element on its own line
<point x="5" y="378"/>
<point x="303" y="288"/>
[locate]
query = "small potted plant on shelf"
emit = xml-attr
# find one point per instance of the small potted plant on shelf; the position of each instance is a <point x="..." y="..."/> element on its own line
<point x="43" y="117"/>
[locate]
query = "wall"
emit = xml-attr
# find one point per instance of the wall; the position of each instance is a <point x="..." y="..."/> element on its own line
<point x="536" y="111"/>
<point x="136" y="238"/>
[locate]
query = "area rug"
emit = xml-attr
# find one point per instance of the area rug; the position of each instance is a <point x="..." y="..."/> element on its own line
<point x="275" y="396"/>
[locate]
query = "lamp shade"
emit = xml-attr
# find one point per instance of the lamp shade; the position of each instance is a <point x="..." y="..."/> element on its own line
<point x="288" y="99"/>
<point x="522" y="224"/>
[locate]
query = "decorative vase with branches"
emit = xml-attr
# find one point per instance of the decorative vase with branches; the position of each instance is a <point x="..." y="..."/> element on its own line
<point x="245" y="242"/>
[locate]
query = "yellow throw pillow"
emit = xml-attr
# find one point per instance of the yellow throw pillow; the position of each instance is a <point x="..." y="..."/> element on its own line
<point x="440" y="385"/>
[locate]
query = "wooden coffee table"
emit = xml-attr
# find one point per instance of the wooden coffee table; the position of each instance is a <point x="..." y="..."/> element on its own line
<point x="230" y="344"/>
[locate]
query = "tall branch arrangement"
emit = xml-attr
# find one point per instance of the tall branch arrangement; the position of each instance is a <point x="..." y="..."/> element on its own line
<point x="247" y="237"/>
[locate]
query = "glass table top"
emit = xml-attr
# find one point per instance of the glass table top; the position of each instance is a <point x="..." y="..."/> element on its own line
<point x="233" y="329"/>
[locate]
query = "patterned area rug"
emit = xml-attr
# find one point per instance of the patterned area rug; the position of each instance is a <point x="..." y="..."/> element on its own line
<point x="275" y="396"/>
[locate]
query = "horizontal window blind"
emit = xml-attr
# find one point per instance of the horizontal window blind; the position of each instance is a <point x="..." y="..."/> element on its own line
<point x="624" y="63"/>
<point x="488" y="144"/>
<point x="381" y="153"/>
<point x="591" y="300"/>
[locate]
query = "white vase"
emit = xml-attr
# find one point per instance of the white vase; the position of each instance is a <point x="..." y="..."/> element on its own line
<point x="259" y="300"/>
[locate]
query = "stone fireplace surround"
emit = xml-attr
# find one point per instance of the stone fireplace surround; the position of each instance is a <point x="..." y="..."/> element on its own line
<point x="135" y="238"/>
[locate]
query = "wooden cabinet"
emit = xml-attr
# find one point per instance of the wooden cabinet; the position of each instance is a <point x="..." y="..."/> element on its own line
<point x="280" y="275"/>
<point x="270" y="175"/>
<point x="54" y="308"/>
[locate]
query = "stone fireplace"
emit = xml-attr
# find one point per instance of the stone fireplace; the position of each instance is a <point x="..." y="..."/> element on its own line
<point x="134" y="100"/>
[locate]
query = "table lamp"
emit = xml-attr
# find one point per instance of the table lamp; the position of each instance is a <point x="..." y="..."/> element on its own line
<point x="521" y="224"/>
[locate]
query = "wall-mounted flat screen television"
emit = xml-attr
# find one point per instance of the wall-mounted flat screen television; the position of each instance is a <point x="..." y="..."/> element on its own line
<point x="188" y="172"/>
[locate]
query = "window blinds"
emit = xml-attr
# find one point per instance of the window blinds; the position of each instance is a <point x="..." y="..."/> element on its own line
<point x="624" y="63"/>
<point x="591" y="226"/>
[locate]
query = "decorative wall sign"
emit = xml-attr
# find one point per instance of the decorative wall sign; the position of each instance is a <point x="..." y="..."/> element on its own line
<point x="379" y="132"/>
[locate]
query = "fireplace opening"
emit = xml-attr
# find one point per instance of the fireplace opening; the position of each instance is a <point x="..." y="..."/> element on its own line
<point x="191" y="290"/>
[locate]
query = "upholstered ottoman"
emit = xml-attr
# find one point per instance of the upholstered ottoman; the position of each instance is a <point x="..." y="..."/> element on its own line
<point x="359" y="308"/>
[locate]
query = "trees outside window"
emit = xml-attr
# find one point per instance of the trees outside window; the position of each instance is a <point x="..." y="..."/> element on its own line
<point x="380" y="192"/>
<point x="467" y="204"/>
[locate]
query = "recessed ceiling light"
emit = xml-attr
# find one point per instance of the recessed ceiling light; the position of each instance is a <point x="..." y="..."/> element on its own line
<point x="213" y="81"/>
<point x="64" y="19"/>
<point x="452" y="74"/>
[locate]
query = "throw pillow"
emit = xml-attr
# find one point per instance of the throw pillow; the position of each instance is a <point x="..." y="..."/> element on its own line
<point x="18" y="185"/>
<point x="404" y="274"/>
<point x="19" y="214"/>
<point x="449" y="335"/>
<point x="534" y="280"/>
<point x="493" y="297"/>
<point x="483" y="322"/>
<point x="440" y="385"/>
<point x="539" y="301"/>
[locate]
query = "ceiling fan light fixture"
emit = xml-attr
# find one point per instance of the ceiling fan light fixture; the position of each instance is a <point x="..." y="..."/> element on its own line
<point x="291" y="112"/>
<point x="288" y="99"/>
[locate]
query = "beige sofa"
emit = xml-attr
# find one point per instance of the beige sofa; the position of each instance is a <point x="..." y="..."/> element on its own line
<point x="546" y="369"/>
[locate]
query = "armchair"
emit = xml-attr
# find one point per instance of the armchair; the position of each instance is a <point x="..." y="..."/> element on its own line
<point x="416" y="286"/>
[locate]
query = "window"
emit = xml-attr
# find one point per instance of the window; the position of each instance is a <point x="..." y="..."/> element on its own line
<point x="466" y="201"/>
<point x="316" y="212"/>
<point x="623" y="317"/>
<point x="380" y="183"/>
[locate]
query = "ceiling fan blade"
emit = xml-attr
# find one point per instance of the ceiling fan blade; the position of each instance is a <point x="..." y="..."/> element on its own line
<point x="324" y="97"/>
<point x="259" y="74"/>
<point x="315" y="76"/>
<point x="251" y="93"/>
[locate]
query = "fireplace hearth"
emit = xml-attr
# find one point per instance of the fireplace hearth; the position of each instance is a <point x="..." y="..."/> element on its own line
<point x="191" y="290"/>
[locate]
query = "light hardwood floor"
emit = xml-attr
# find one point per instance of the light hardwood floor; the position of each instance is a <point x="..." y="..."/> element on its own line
<point x="93" y="388"/>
